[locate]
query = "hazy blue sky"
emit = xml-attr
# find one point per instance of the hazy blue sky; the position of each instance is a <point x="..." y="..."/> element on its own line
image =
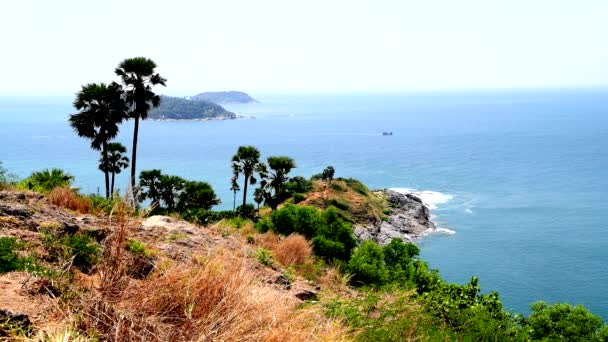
<point x="52" y="47"/>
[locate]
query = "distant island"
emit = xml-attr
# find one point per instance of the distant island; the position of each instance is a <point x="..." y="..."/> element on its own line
<point x="177" y="108"/>
<point x="223" y="97"/>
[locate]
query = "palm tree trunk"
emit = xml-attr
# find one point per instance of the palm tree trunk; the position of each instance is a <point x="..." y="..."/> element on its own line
<point x="134" y="158"/>
<point x="106" y="169"/>
<point x="112" y="188"/>
<point x="234" y="202"/>
<point x="245" y="190"/>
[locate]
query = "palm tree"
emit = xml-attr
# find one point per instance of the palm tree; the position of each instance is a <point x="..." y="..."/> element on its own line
<point x="117" y="161"/>
<point x="246" y="161"/>
<point x="234" y="186"/>
<point x="101" y="108"/>
<point x="277" y="176"/>
<point x="138" y="76"/>
<point x="258" y="196"/>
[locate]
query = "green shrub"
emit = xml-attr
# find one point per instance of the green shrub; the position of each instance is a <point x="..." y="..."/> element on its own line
<point x="9" y="260"/>
<point x="356" y="186"/>
<point x="247" y="212"/>
<point x="265" y="257"/>
<point x="337" y="187"/>
<point x="46" y="180"/>
<point x="102" y="204"/>
<point x="297" y="184"/>
<point x="6" y="179"/>
<point x="202" y="216"/>
<point x="298" y="197"/>
<point x="138" y="248"/>
<point x="250" y="239"/>
<point x="81" y="247"/>
<point x="564" y="322"/>
<point x="339" y="204"/>
<point x="367" y="265"/>
<point x="264" y="225"/>
<point x="290" y="219"/>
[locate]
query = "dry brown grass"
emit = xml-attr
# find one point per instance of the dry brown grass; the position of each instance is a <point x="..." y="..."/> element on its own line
<point x="268" y="240"/>
<point x="218" y="299"/>
<point x="293" y="250"/>
<point x="67" y="198"/>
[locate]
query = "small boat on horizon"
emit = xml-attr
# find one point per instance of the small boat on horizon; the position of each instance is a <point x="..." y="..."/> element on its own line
<point x="387" y="133"/>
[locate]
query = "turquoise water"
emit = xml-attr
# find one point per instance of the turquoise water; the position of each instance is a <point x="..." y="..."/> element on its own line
<point x="524" y="173"/>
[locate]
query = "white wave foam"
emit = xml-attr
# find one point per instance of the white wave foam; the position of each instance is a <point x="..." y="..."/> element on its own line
<point x="430" y="198"/>
<point x="443" y="231"/>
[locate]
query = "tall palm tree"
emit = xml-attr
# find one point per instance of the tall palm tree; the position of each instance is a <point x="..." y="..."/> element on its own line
<point x="117" y="161"/>
<point x="234" y="186"/>
<point x="101" y="108"/>
<point x="138" y="77"/>
<point x="246" y="161"/>
<point x="276" y="177"/>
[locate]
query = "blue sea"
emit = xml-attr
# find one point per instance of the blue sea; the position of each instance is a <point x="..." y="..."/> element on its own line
<point x="519" y="177"/>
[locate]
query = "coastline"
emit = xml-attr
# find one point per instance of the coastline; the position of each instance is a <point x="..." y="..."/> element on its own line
<point x="409" y="219"/>
<point x="221" y="118"/>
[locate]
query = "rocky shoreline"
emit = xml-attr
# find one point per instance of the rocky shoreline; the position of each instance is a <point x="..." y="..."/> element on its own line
<point x="409" y="219"/>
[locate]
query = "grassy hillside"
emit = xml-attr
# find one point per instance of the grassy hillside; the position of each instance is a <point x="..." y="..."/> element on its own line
<point x="349" y="196"/>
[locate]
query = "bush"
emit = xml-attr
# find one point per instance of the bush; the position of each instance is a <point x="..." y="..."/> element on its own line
<point x="298" y="197"/>
<point x="265" y="257"/>
<point x="367" y="264"/>
<point x="81" y="247"/>
<point x="66" y="197"/>
<point x="563" y="322"/>
<point x="197" y="195"/>
<point x="6" y="179"/>
<point x="264" y="225"/>
<point x="46" y="180"/>
<point x="339" y="204"/>
<point x="337" y="187"/>
<point x="138" y="248"/>
<point x="203" y="216"/>
<point x="296" y="219"/>
<point x="100" y="204"/>
<point x="9" y="260"/>
<point x="294" y="249"/>
<point x="356" y="185"/>
<point x="248" y="211"/>
<point x="297" y="184"/>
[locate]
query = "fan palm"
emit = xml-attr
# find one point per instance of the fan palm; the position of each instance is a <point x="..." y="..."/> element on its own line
<point x="246" y="161"/>
<point x="117" y="161"/>
<point x="101" y="108"/>
<point x="138" y="77"/>
<point x="234" y="186"/>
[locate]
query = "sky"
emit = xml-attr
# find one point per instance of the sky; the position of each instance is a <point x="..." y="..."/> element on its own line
<point x="311" y="46"/>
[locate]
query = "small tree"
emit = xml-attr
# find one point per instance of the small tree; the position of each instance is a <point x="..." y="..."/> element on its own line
<point x="276" y="176"/>
<point x="258" y="196"/>
<point x="328" y="173"/>
<point x="197" y="195"/>
<point x="117" y="161"/>
<point x="246" y="161"/>
<point x="234" y="186"/>
<point x="171" y="188"/>
<point x="150" y="186"/>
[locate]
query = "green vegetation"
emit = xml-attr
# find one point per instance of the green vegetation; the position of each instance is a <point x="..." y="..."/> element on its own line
<point x="332" y="237"/>
<point x="224" y="97"/>
<point x="169" y="193"/>
<point x="183" y="109"/>
<point x="138" y="248"/>
<point x="138" y="77"/>
<point x="246" y="161"/>
<point x="6" y="179"/>
<point x="117" y="161"/>
<point x="328" y="174"/>
<point x="101" y="109"/>
<point x="9" y="259"/>
<point x="46" y="180"/>
<point x="80" y="248"/>
<point x="265" y="257"/>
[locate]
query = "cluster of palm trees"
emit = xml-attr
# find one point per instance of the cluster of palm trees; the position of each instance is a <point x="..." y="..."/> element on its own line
<point x="103" y="107"/>
<point x="272" y="175"/>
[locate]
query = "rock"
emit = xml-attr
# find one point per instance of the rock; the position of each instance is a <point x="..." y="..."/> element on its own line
<point x="283" y="281"/>
<point x="13" y="320"/>
<point x="306" y="295"/>
<point x="409" y="219"/>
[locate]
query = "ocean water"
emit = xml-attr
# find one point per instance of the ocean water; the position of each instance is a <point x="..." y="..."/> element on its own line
<point x="517" y="179"/>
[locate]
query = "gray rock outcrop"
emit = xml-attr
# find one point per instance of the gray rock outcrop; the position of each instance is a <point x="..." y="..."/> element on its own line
<point x="409" y="219"/>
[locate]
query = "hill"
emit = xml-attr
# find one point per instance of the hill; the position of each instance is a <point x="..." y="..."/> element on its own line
<point x="176" y="108"/>
<point x="223" y="97"/>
